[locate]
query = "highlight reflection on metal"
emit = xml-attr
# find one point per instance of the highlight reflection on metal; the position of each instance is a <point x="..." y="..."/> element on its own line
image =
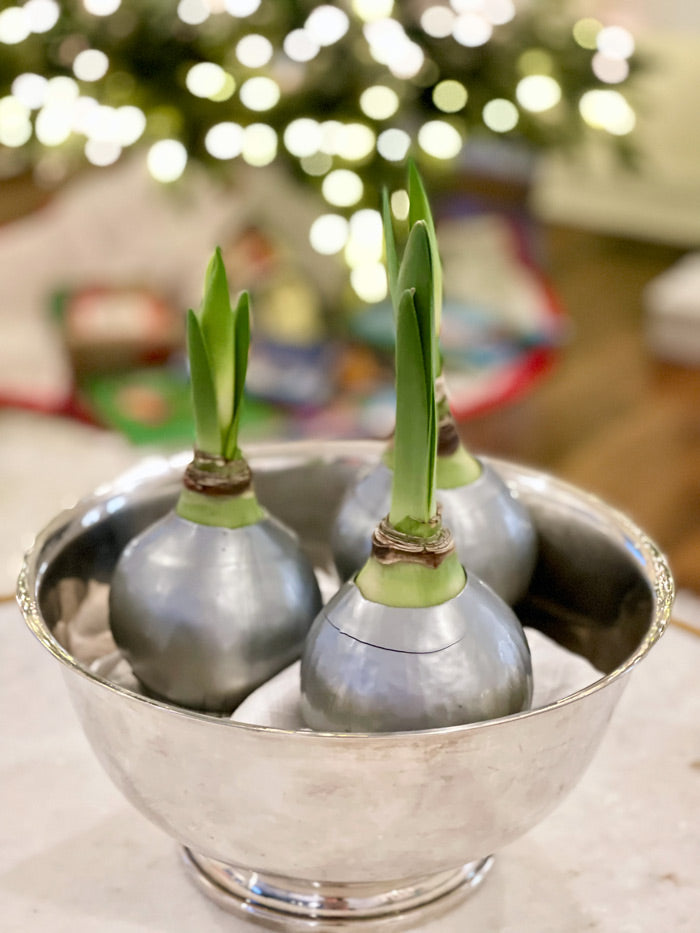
<point x="493" y="531"/>
<point x="265" y="797"/>
<point x="373" y="668"/>
<point x="204" y="614"/>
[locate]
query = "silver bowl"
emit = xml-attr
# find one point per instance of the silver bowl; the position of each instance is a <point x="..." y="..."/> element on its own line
<point x="305" y="830"/>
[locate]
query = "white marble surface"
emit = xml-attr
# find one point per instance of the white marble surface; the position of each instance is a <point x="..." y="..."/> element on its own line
<point x="620" y="855"/>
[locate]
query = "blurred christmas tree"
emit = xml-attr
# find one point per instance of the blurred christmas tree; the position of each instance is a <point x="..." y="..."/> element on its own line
<point x="339" y="92"/>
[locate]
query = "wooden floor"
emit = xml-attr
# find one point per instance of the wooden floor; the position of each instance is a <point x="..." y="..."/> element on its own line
<point x="610" y="417"/>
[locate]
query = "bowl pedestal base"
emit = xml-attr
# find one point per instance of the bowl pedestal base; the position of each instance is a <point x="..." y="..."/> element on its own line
<point x="290" y="904"/>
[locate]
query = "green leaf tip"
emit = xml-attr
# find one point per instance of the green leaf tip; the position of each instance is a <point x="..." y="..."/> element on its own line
<point x="415" y="439"/>
<point x="419" y="209"/>
<point x="218" y="340"/>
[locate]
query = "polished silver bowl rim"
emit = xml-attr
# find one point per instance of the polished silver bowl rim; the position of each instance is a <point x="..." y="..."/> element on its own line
<point x="154" y="467"/>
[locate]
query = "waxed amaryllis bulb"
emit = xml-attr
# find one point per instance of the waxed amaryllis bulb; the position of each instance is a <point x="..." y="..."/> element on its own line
<point x="217" y="596"/>
<point x="414" y="641"/>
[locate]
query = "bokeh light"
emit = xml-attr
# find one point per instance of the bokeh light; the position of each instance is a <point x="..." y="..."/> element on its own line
<point x="607" y="110"/>
<point x="303" y="137"/>
<point x="615" y="42"/>
<point x="15" y="25"/>
<point x="472" y="30"/>
<point x="369" y="10"/>
<point x="259" y="144"/>
<point x="586" y="31"/>
<point x="15" y="125"/>
<point x="400" y="204"/>
<point x="101" y="8"/>
<point x="538" y="93"/>
<point x="327" y="24"/>
<point x="342" y="188"/>
<point x="498" y="12"/>
<point x="609" y="70"/>
<point x="30" y="89"/>
<point x="254" y="51"/>
<point x="449" y="96"/>
<point x="193" y="12"/>
<point x="439" y="139"/>
<point x="437" y="21"/>
<point x="500" y="115"/>
<point x="369" y="282"/>
<point x="355" y="141"/>
<point x="259" y="93"/>
<point x="54" y="124"/>
<point x="300" y="46"/>
<point x="206" y="79"/>
<point x="225" y="140"/>
<point x="379" y="102"/>
<point x="43" y="14"/>
<point x="90" y="65"/>
<point x="167" y="160"/>
<point x="102" y="152"/>
<point x="329" y="234"/>
<point x="241" y="8"/>
<point x="393" y="144"/>
<point x="365" y="244"/>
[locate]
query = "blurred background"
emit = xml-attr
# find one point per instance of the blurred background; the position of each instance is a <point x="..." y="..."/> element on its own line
<point x="558" y="140"/>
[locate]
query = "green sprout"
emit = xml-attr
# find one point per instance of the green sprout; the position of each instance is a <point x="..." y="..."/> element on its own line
<point x="218" y="341"/>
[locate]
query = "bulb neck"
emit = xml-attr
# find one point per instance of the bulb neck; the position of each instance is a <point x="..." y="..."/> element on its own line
<point x="219" y="492"/>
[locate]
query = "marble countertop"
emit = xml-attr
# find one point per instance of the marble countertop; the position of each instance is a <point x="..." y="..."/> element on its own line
<point x="620" y="855"/>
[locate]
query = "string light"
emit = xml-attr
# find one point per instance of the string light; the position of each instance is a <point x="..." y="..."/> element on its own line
<point x="347" y="129"/>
